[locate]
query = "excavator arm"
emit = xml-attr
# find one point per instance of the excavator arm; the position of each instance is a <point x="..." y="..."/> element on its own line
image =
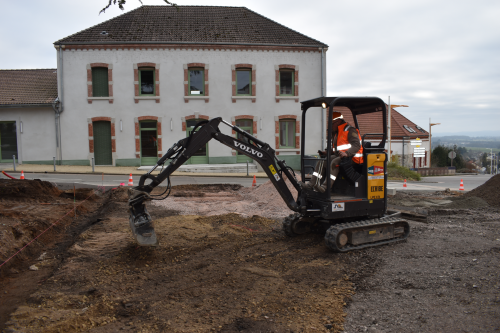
<point x="140" y="221"/>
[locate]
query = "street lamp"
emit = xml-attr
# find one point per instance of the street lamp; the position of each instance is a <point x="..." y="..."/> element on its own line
<point x="389" y="134"/>
<point x="430" y="140"/>
<point x="491" y="161"/>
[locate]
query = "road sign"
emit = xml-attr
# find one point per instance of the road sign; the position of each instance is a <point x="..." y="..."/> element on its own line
<point x="419" y="148"/>
<point x="416" y="142"/>
<point x="418" y="155"/>
<point x="452" y="154"/>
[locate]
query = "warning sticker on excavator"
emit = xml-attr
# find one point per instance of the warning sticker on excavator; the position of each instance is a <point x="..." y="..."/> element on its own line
<point x="338" y="207"/>
<point x="273" y="171"/>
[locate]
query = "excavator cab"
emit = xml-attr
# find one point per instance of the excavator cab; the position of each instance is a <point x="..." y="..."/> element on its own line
<point x="353" y="210"/>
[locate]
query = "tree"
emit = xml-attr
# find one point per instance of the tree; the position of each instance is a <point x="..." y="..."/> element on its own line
<point x="484" y="160"/>
<point x="440" y="157"/>
<point x="461" y="150"/>
<point x="121" y="4"/>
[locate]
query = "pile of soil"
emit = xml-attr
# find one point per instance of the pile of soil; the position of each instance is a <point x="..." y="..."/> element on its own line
<point x="489" y="191"/>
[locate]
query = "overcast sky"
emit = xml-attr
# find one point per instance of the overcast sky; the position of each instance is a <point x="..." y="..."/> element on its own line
<point x="440" y="57"/>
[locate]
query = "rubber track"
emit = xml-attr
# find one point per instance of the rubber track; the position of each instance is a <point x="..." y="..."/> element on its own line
<point x="334" y="230"/>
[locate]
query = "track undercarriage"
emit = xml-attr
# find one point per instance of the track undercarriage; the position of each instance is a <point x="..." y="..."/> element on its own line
<point x="348" y="236"/>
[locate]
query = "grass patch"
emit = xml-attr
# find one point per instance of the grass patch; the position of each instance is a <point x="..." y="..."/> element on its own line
<point x="397" y="172"/>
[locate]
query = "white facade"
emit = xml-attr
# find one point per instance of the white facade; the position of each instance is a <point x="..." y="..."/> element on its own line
<point x="171" y="108"/>
<point x="35" y="132"/>
<point x="407" y="150"/>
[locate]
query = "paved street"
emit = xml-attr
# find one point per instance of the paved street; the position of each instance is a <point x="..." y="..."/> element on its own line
<point x="440" y="183"/>
<point x="84" y="180"/>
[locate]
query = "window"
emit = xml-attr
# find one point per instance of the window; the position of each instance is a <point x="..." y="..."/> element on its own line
<point x="409" y="129"/>
<point x="244" y="82"/>
<point x="100" y="84"/>
<point x="147" y="81"/>
<point x="287" y="82"/>
<point x="420" y="128"/>
<point x="287" y="133"/>
<point x="196" y="81"/>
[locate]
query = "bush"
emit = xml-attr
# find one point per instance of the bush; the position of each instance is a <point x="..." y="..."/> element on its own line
<point x="395" y="171"/>
<point x="465" y="170"/>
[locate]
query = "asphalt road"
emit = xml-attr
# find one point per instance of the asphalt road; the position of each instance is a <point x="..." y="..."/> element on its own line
<point x="65" y="181"/>
<point x="437" y="183"/>
<point x="440" y="183"/>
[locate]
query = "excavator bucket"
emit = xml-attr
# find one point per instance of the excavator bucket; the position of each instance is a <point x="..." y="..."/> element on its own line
<point x="141" y="223"/>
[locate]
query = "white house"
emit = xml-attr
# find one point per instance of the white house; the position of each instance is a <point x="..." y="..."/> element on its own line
<point x="27" y="117"/>
<point x="134" y="85"/>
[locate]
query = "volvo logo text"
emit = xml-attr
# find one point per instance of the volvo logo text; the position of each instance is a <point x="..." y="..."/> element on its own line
<point x="248" y="149"/>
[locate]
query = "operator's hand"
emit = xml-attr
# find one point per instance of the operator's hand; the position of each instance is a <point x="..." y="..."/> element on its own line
<point x="342" y="154"/>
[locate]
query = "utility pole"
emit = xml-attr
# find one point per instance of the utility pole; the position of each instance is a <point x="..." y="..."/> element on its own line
<point x="430" y="140"/>
<point x="491" y="161"/>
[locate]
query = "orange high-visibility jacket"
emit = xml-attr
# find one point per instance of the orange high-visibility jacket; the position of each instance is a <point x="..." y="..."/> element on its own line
<point x="343" y="142"/>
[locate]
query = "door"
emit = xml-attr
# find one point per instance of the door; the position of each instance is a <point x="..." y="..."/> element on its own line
<point x="201" y="156"/>
<point x="247" y="126"/>
<point x="102" y="143"/>
<point x="149" y="142"/>
<point x="8" y="141"/>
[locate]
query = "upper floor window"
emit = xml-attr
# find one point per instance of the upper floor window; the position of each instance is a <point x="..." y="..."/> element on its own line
<point x="287" y="83"/>
<point x="196" y="81"/>
<point x="287" y="133"/>
<point x="147" y="81"/>
<point x="244" y="82"/>
<point x="100" y="83"/>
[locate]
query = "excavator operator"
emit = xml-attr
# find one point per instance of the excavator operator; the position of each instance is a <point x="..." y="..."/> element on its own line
<point x="346" y="146"/>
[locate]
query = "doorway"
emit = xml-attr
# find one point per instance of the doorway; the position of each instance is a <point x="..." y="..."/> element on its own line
<point x="8" y="141"/>
<point x="149" y="142"/>
<point x="102" y="143"/>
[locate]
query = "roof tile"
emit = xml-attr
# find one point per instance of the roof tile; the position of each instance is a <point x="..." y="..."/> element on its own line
<point x="27" y="86"/>
<point x="372" y="123"/>
<point x="191" y="24"/>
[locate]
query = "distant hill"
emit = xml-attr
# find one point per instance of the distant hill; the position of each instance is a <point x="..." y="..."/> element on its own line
<point x="483" y="134"/>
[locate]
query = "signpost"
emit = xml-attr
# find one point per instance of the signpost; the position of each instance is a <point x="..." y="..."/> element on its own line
<point x="452" y="155"/>
<point x="417" y="150"/>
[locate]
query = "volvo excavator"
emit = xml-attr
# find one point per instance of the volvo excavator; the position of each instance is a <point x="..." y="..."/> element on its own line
<point x="352" y="215"/>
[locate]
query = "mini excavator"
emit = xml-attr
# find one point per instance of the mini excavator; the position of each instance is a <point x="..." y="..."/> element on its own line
<point x="353" y="214"/>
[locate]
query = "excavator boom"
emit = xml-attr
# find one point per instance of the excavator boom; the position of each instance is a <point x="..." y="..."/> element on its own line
<point x="140" y="220"/>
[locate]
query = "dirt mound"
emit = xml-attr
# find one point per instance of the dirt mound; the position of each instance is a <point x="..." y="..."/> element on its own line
<point x="35" y="189"/>
<point x="465" y="202"/>
<point x="489" y="191"/>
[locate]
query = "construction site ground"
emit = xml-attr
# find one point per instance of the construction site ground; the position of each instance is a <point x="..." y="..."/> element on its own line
<point x="223" y="264"/>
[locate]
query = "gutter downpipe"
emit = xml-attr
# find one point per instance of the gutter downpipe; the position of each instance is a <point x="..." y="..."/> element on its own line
<point x="323" y="95"/>
<point x="58" y="105"/>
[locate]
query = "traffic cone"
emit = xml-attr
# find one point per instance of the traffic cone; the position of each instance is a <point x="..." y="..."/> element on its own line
<point x="461" y="188"/>
<point x="404" y="184"/>
<point x="130" y="181"/>
<point x="22" y="174"/>
<point x="254" y="183"/>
